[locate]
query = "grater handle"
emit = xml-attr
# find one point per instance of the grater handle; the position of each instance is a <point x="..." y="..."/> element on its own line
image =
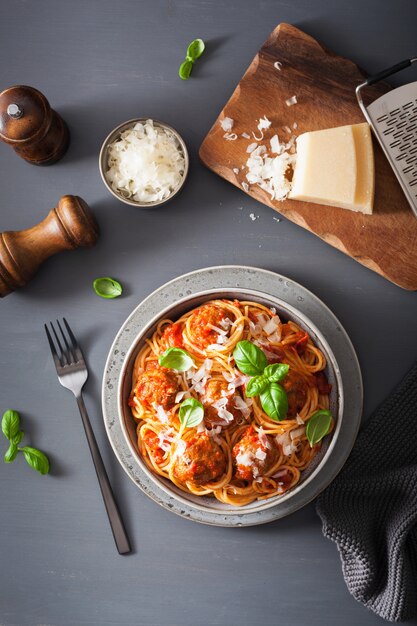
<point x="391" y="70"/>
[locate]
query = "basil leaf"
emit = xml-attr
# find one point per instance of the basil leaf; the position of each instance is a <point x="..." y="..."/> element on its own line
<point x="318" y="426"/>
<point x="11" y="453"/>
<point x="107" y="287"/>
<point x="191" y="412"/>
<point x="195" y="49"/>
<point x="18" y="438"/>
<point x="10" y="424"/>
<point x="256" y="385"/>
<point x="249" y="358"/>
<point x="185" y="69"/>
<point x="176" y="359"/>
<point x="36" y="459"/>
<point x="276" y="372"/>
<point x="274" y="402"/>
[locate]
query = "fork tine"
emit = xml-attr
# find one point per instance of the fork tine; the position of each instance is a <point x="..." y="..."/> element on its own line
<point x="63" y="359"/>
<point x="76" y="348"/>
<point x="52" y="346"/>
<point x="69" y="353"/>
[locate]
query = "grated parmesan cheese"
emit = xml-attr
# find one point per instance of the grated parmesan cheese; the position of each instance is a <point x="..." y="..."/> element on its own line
<point x="230" y="136"/>
<point x="146" y="163"/>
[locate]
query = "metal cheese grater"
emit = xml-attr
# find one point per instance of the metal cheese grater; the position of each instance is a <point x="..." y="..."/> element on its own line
<point x="393" y="118"/>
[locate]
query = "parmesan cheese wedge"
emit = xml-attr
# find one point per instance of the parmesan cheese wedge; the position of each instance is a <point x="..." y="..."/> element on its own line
<point x="335" y="167"/>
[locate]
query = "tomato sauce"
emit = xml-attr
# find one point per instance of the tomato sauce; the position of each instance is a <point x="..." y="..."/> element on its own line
<point x="152" y="441"/>
<point x="172" y="336"/>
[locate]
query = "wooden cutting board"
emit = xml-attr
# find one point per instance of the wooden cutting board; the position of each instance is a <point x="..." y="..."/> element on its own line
<point x="324" y="85"/>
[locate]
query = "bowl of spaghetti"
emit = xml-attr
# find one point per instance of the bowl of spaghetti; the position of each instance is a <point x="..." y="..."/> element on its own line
<point x="230" y="401"/>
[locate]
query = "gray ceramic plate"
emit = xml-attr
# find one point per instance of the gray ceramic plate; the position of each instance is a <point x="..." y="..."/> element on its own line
<point x="292" y="301"/>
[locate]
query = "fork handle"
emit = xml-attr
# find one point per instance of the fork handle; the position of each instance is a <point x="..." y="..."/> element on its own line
<point x="116" y="522"/>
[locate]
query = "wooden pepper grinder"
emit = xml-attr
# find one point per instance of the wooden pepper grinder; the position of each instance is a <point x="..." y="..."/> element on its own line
<point x="70" y="225"/>
<point x="27" y="123"/>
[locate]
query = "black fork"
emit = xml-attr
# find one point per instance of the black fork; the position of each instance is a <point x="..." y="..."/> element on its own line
<point x="72" y="373"/>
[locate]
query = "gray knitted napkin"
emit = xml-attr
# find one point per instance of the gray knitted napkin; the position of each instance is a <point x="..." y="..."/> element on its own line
<point x="370" y="509"/>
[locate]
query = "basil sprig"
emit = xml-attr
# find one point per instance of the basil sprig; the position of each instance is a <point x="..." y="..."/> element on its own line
<point x="251" y="360"/>
<point x="10" y="425"/>
<point x="271" y="374"/>
<point x="176" y="359"/>
<point x="107" y="287"/>
<point x="318" y="426"/>
<point x="194" y="51"/>
<point x="191" y="413"/>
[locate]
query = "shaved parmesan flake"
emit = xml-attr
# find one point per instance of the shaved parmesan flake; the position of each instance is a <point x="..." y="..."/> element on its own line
<point x="226" y="323"/>
<point x="245" y="187"/>
<point x="280" y="474"/>
<point x="258" y="137"/>
<point x="245" y="136"/>
<point x="180" y="395"/>
<point x="227" y="124"/>
<point x="146" y="163"/>
<point x="244" y="458"/>
<point x="298" y="432"/>
<point x="291" y="101"/>
<point x="251" y="147"/>
<point x="287" y="129"/>
<point x="272" y="325"/>
<point x="236" y="170"/>
<point x="181" y="446"/>
<point x="278" y="65"/>
<point x="263" y="438"/>
<point x="284" y="440"/>
<point x="275" y="337"/>
<point x="275" y="145"/>
<point x="161" y="413"/>
<point x="230" y="136"/>
<point x="299" y="419"/>
<point x="295" y="126"/>
<point x="215" y="346"/>
<point x="264" y="123"/>
<point x="241" y="406"/>
<point x="166" y="437"/>
<point x="203" y="371"/>
<point x="220" y="331"/>
<point x="260" y="454"/>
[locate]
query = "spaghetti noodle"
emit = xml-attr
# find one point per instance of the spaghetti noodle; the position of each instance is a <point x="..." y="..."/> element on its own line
<point x="237" y="454"/>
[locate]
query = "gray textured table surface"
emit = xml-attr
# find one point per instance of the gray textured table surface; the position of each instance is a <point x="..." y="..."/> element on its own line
<point x="100" y="63"/>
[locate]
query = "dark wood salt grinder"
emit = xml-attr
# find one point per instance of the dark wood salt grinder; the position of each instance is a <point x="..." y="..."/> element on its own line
<point x="70" y="225"/>
<point x="28" y="124"/>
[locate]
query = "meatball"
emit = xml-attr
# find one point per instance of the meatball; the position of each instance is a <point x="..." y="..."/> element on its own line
<point x="296" y="388"/>
<point x="172" y="336"/>
<point x="157" y="385"/>
<point x="202" y="461"/>
<point x="213" y="393"/>
<point x="253" y="455"/>
<point x="201" y="331"/>
<point x="151" y="440"/>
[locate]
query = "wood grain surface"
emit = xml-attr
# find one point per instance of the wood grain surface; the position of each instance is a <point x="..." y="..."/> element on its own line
<point x="324" y="85"/>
